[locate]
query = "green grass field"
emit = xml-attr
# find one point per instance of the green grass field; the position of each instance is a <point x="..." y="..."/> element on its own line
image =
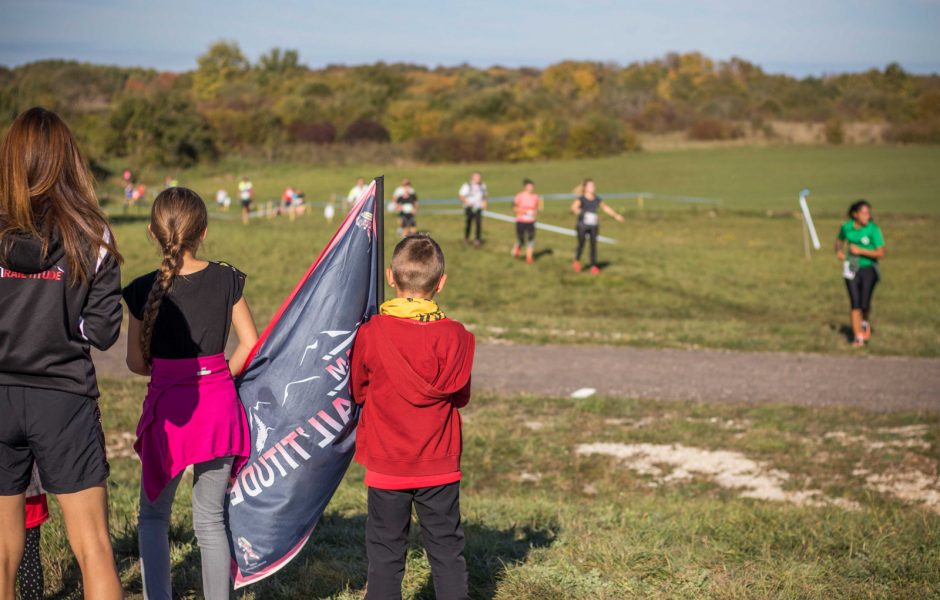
<point x="738" y="501"/>
<point x="896" y="179"/>
<point x="544" y="521"/>
<point x="682" y="276"/>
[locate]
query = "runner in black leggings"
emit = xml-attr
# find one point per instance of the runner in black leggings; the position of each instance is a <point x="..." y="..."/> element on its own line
<point x="859" y="245"/>
<point x="586" y="206"/>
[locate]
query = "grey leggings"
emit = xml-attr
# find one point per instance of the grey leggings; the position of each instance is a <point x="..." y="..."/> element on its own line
<point x="209" y="483"/>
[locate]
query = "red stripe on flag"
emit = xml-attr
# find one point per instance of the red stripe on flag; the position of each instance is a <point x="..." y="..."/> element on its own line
<point x="350" y="219"/>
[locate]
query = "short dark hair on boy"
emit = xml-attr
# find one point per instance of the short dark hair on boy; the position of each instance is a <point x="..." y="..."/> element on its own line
<point x="417" y="264"/>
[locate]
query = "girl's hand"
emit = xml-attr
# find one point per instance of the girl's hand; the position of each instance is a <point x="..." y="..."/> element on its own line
<point x="135" y="354"/>
<point x="853" y="249"/>
<point x="618" y="217"/>
<point x="244" y="325"/>
<point x="840" y="255"/>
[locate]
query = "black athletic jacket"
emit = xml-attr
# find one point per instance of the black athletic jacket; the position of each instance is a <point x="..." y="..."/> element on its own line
<point x="48" y="326"/>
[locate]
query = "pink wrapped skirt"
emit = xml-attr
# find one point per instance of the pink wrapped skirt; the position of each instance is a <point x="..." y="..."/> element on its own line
<point x="191" y="414"/>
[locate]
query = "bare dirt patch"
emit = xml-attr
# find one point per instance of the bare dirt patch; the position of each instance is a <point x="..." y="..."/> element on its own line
<point x="731" y="470"/>
<point x="915" y="481"/>
<point x="120" y="444"/>
<point x="908" y="437"/>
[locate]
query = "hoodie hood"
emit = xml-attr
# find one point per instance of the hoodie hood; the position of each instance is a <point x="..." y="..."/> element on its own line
<point x="424" y="384"/>
<point x="25" y="254"/>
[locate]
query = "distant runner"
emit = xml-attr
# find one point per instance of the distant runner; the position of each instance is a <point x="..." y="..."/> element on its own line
<point x="297" y="206"/>
<point x="406" y="202"/>
<point x="138" y="194"/>
<point x="222" y="200"/>
<point x="129" y="190"/>
<point x="355" y="193"/>
<point x="287" y="201"/>
<point x="246" y="192"/>
<point x="473" y="196"/>
<point x="860" y="244"/>
<point x="526" y="205"/>
<point x="585" y="207"/>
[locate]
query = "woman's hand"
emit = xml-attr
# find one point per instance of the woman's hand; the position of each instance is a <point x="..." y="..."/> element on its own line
<point x="610" y="211"/>
<point x="877" y="253"/>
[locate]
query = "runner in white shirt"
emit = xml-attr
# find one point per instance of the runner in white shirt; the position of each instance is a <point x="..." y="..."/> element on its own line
<point x="406" y="201"/>
<point x="355" y="193"/>
<point x="223" y="200"/>
<point x="246" y="192"/>
<point x="473" y="196"/>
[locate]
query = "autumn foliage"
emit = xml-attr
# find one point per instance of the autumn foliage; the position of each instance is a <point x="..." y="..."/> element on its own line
<point x="571" y="109"/>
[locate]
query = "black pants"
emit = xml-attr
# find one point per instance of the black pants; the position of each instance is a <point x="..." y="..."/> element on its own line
<point x="387" y="530"/>
<point x="29" y="575"/>
<point x="862" y="287"/>
<point x="474" y="215"/>
<point x="585" y="232"/>
<point x="525" y="233"/>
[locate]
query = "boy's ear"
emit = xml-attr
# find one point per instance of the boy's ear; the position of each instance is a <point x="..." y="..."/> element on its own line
<point x="441" y="283"/>
<point x="205" y="232"/>
<point x="389" y="277"/>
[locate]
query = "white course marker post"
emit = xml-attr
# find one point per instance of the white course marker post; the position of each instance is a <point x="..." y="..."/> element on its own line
<point x="809" y="230"/>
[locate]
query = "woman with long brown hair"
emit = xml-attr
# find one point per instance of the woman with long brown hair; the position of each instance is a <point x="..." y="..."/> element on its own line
<point x="60" y="289"/>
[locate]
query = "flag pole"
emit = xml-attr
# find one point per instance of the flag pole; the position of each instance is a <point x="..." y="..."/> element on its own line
<point x="378" y="214"/>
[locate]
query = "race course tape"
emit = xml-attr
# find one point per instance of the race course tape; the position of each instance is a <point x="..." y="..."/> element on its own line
<point x="610" y="196"/>
<point x="506" y="218"/>
<point x="545" y="226"/>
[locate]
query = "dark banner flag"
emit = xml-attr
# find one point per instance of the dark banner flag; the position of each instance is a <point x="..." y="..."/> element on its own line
<point x="295" y="390"/>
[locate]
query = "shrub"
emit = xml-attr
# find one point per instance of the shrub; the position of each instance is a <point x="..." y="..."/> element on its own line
<point x="923" y="132"/>
<point x="596" y="136"/>
<point x="708" y="129"/>
<point x="163" y="130"/>
<point x="835" y="134"/>
<point x="365" y="130"/>
<point x="450" y="147"/>
<point x="320" y="132"/>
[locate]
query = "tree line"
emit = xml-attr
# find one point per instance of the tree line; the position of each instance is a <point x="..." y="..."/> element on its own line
<point x="229" y="105"/>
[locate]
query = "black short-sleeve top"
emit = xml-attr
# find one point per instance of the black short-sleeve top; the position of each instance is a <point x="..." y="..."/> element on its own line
<point x="196" y="314"/>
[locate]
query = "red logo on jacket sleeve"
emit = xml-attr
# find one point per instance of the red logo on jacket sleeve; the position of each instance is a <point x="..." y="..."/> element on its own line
<point x="53" y="274"/>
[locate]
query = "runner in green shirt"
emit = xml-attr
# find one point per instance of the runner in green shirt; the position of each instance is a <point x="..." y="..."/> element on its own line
<point x="859" y="245"/>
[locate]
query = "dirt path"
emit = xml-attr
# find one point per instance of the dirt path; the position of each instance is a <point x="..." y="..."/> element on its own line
<point x="877" y="383"/>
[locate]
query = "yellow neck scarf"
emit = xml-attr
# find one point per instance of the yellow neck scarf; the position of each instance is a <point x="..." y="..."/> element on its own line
<point x="419" y="309"/>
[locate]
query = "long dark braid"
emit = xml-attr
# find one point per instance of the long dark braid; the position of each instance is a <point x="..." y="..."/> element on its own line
<point x="177" y="221"/>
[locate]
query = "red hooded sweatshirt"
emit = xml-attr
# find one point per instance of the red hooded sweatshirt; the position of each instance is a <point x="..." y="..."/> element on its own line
<point x="410" y="378"/>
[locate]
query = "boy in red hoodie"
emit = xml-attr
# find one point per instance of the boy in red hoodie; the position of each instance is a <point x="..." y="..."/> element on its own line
<point x="411" y="372"/>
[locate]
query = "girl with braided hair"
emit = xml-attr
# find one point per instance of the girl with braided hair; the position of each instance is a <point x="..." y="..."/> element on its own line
<point x="180" y="318"/>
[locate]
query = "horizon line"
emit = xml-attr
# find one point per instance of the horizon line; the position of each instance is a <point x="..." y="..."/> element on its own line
<point x="797" y="70"/>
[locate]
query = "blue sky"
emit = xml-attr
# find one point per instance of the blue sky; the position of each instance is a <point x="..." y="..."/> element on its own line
<point x="799" y="37"/>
